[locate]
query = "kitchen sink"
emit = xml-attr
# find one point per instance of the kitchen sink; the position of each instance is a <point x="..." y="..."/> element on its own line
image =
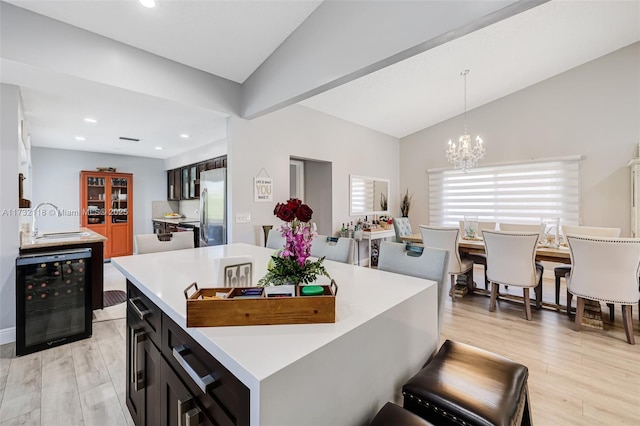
<point x="63" y="235"/>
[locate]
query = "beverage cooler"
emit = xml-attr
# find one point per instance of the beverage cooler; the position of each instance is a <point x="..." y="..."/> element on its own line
<point x="53" y="299"/>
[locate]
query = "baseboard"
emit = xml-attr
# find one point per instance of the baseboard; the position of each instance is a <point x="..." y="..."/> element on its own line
<point x="7" y="335"/>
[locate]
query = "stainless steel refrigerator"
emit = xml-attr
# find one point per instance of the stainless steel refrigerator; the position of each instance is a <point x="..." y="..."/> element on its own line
<point x="213" y="207"/>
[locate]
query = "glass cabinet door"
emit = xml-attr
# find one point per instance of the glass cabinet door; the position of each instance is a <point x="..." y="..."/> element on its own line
<point x="192" y="181"/>
<point x="119" y="200"/>
<point x="185" y="183"/>
<point x="96" y="200"/>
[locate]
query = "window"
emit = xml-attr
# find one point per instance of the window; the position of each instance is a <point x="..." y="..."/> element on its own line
<point x="515" y="193"/>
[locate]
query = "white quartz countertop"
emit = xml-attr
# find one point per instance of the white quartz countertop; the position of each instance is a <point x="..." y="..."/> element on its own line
<point x="63" y="237"/>
<point x="254" y="353"/>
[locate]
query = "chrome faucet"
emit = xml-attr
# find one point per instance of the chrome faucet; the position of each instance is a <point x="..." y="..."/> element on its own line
<point x="34" y="226"/>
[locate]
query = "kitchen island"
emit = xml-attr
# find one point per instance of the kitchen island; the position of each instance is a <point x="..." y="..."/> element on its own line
<point x="325" y="374"/>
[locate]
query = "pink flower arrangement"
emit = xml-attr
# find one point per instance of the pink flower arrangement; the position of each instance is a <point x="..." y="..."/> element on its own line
<point x="296" y="230"/>
<point x="291" y="264"/>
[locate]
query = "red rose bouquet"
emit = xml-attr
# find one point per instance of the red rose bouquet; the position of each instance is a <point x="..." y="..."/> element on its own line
<point x="291" y="265"/>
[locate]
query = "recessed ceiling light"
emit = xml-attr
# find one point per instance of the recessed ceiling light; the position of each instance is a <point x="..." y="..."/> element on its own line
<point x="148" y="3"/>
<point x="90" y="120"/>
<point x="184" y="135"/>
<point x="80" y="138"/>
<point x="159" y="148"/>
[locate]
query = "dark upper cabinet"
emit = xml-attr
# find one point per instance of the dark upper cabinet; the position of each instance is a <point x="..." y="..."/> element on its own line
<point x="183" y="183"/>
<point x="174" y="185"/>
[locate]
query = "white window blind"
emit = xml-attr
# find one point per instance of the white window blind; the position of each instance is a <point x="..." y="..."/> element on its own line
<point x="515" y="193"/>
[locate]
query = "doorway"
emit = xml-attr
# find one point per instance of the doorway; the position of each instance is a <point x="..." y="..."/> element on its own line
<point x="311" y="181"/>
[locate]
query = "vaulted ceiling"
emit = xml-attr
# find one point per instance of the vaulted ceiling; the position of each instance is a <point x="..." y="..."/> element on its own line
<point x="389" y="66"/>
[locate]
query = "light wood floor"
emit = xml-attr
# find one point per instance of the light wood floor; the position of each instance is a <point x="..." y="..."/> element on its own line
<point x="586" y="378"/>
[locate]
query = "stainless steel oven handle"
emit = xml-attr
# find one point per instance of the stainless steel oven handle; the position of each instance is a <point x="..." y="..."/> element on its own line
<point x="142" y="314"/>
<point x="203" y="382"/>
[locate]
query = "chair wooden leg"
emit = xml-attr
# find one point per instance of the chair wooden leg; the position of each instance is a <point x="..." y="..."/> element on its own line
<point x="538" y="293"/>
<point x="628" y="324"/>
<point x="527" y="304"/>
<point x="579" y="313"/>
<point x="557" y="290"/>
<point x="569" y="301"/>
<point x="486" y="279"/>
<point x="494" y="296"/>
<point x="612" y="312"/>
<point x="453" y="287"/>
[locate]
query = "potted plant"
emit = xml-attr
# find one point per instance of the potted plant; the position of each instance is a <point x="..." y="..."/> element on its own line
<point x="405" y="204"/>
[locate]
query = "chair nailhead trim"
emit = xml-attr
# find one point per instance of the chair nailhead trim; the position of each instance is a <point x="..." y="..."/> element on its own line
<point x="436" y="409"/>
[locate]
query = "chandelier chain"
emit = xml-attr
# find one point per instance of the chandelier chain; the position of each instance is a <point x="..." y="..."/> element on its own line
<point x="464" y="74"/>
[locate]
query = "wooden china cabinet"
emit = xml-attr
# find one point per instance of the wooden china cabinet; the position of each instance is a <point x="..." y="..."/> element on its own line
<point x="106" y="207"/>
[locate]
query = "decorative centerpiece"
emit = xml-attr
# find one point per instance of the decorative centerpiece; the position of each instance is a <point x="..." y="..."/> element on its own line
<point x="291" y="264"/>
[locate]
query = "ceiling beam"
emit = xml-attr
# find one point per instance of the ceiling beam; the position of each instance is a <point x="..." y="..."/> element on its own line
<point x="345" y="40"/>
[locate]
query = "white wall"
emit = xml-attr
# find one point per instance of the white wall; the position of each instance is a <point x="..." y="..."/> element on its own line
<point x="56" y="174"/>
<point x="268" y="142"/>
<point x="592" y="110"/>
<point x="11" y="105"/>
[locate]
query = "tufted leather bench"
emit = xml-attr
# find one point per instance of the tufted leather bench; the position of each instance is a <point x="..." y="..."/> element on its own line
<point x="394" y="415"/>
<point x="465" y="385"/>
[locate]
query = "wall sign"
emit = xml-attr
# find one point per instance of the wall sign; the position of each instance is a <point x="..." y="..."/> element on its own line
<point x="263" y="189"/>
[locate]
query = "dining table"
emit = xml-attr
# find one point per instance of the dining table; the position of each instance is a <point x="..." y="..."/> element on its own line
<point x="560" y="254"/>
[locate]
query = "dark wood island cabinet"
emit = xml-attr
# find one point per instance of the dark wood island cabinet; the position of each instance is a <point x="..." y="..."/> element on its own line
<point x="171" y="379"/>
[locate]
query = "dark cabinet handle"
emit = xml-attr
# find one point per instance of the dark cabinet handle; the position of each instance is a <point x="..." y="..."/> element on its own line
<point x="203" y="382"/>
<point x="144" y="313"/>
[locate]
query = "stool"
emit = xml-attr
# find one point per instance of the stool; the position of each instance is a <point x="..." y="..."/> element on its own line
<point x="394" y="415"/>
<point x="465" y="385"/>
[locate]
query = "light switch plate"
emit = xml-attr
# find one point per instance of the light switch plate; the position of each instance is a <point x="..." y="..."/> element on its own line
<point x="243" y="217"/>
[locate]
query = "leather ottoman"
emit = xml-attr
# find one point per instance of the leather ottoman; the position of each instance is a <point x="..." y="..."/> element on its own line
<point x="465" y="385"/>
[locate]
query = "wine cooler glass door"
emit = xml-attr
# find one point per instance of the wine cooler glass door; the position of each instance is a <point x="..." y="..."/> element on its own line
<point x="53" y="299"/>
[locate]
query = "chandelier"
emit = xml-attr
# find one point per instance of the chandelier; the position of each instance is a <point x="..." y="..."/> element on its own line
<point x="466" y="153"/>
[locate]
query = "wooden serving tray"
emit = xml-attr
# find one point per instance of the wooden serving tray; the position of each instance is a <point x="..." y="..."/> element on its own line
<point x="219" y="312"/>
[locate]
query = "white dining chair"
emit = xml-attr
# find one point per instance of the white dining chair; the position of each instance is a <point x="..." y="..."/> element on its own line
<point x="562" y="270"/>
<point x="422" y="262"/>
<point x="605" y="270"/>
<point x="153" y="243"/>
<point x="340" y="249"/>
<point x="275" y="240"/>
<point x="511" y="261"/>
<point x="446" y="238"/>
